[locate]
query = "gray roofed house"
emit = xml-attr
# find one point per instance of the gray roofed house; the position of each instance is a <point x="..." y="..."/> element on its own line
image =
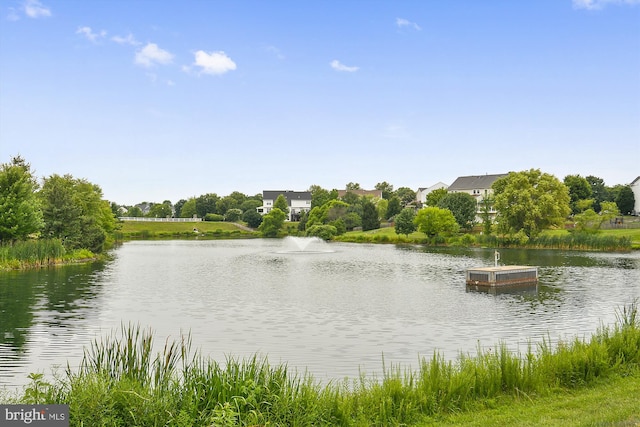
<point x="479" y="186"/>
<point x="635" y="187"/>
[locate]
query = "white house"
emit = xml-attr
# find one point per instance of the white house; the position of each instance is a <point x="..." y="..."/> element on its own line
<point x="635" y="186"/>
<point x="298" y="201"/>
<point x="421" y="194"/>
<point x="479" y="186"/>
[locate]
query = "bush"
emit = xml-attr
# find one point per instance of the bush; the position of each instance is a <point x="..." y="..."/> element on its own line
<point x="233" y="215"/>
<point x="325" y="232"/>
<point x="213" y="217"/>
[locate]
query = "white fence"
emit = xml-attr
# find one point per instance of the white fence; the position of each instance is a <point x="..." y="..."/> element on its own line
<point x="147" y="219"/>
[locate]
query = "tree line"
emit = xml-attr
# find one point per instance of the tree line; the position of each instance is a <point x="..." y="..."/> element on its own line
<point x="74" y="211"/>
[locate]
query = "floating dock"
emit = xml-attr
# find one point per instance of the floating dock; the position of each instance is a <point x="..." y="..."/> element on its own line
<point x="506" y="276"/>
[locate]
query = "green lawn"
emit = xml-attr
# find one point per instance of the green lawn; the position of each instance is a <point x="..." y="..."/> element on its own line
<point x="143" y="229"/>
<point x="614" y="401"/>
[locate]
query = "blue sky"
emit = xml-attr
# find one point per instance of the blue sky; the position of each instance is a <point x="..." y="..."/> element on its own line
<point x="157" y="100"/>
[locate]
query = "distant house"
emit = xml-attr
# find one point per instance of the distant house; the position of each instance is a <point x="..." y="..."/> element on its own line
<point x="298" y="201"/>
<point x="421" y="194"/>
<point x="635" y="187"/>
<point x="373" y="193"/>
<point x="479" y="186"/>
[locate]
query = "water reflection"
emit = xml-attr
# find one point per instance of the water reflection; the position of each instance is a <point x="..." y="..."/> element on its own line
<point x="333" y="312"/>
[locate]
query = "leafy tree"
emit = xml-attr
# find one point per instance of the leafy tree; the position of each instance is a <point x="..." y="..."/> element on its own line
<point x="382" y="207"/>
<point x="252" y="218"/>
<point x="486" y="204"/>
<point x="370" y="219"/>
<point x="20" y="213"/>
<point x="387" y="189"/>
<point x="609" y="210"/>
<point x="325" y="232"/>
<point x="272" y="222"/>
<point x="588" y="221"/>
<point x="599" y="191"/>
<point x="530" y="201"/>
<point x="351" y="198"/>
<point x="625" y="199"/>
<point x="189" y="209"/>
<point x="433" y="221"/>
<point x="233" y="215"/>
<point x="339" y="225"/>
<point x="135" y="212"/>
<point x="205" y="204"/>
<point x="177" y="208"/>
<point x="352" y="220"/>
<point x="394" y="207"/>
<point x="406" y="195"/>
<point x="353" y="186"/>
<point x="250" y="205"/>
<point x="435" y="196"/>
<point x="579" y="189"/>
<point x="74" y="211"/>
<point x="404" y="222"/>
<point x="282" y="204"/>
<point x="320" y="196"/>
<point x="463" y="207"/>
<point x="161" y="210"/>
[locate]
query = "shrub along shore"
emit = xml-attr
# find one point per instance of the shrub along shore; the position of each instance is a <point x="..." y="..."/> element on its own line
<point x="121" y="382"/>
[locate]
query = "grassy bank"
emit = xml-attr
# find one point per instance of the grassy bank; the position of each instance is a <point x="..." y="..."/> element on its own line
<point x="121" y="382"/>
<point x="130" y="230"/>
<point x="606" y="240"/>
<point x="39" y="253"/>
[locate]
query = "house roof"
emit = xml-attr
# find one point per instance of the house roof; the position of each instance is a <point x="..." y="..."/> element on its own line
<point x="288" y="194"/>
<point x="474" y="182"/>
<point x="637" y="180"/>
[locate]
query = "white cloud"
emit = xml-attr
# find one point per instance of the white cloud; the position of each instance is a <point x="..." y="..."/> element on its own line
<point x="129" y="39"/>
<point x="274" y="50"/>
<point x="401" y="23"/>
<point x="213" y="63"/>
<point x="336" y="65"/>
<point x="151" y="55"/>
<point x="600" y="4"/>
<point x="35" y="9"/>
<point x="89" y="34"/>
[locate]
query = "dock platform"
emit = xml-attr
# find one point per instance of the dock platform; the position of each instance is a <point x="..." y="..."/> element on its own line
<point x="502" y="276"/>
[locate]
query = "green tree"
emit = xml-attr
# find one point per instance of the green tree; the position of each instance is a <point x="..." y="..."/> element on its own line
<point x="435" y="196"/>
<point x="272" y="223"/>
<point x="188" y="209"/>
<point x="404" y="222"/>
<point x="161" y="210"/>
<point x="406" y="196"/>
<point x="177" y="208"/>
<point x="625" y="199"/>
<point x="252" y="218"/>
<point x="353" y="186"/>
<point x="486" y="206"/>
<point x="352" y="220"/>
<point x="530" y="201"/>
<point x="608" y="211"/>
<point x="433" y="221"/>
<point x="282" y="204"/>
<point x="206" y="203"/>
<point x="386" y="188"/>
<point x="599" y="191"/>
<point x="370" y="219"/>
<point x="382" y="206"/>
<point x="394" y="207"/>
<point x="320" y="196"/>
<point x="233" y="215"/>
<point x="579" y="189"/>
<point x="20" y="213"/>
<point x="351" y="198"/>
<point x="463" y="207"/>
<point x="588" y="221"/>
<point x="74" y="211"/>
<point x="134" y="212"/>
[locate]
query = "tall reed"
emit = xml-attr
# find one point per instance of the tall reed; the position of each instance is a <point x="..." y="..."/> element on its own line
<point x="32" y="252"/>
<point x="121" y="382"/>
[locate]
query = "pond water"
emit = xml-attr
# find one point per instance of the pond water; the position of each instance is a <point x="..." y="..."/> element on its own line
<point x="335" y="310"/>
